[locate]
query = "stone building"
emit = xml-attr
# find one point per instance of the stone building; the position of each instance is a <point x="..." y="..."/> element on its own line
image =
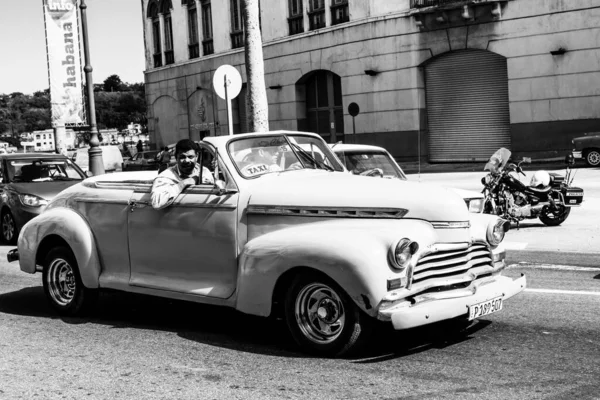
<point x="448" y="80"/>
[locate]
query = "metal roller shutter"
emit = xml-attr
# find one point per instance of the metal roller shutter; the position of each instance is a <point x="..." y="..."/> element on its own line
<point x="467" y="106"/>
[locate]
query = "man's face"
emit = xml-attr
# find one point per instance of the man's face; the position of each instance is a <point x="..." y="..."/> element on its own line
<point x="186" y="161"/>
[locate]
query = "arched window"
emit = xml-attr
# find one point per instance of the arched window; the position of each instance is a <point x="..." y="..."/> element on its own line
<point x="153" y="15"/>
<point x="165" y="10"/>
<point x="324" y="109"/>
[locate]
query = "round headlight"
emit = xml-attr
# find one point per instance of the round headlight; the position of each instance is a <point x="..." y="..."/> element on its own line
<point x="402" y="253"/>
<point x="496" y="231"/>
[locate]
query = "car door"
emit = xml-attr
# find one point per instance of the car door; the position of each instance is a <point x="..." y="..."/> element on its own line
<point x="189" y="246"/>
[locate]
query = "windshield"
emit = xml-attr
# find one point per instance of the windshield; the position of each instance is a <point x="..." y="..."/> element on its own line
<point x="255" y="156"/>
<point x="497" y="161"/>
<point x="36" y="170"/>
<point x="358" y="163"/>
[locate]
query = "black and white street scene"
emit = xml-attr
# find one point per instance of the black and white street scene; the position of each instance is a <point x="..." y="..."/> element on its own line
<point x="300" y="199"/>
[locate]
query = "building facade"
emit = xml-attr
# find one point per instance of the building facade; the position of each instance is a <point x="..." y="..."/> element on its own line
<point x="443" y="80"/>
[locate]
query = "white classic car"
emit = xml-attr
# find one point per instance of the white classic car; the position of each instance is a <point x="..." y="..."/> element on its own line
<point x="362" y="159"/>
<point x="283" y="232"/>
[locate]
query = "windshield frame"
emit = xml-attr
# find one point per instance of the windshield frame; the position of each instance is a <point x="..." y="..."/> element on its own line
<point x="286" y="136"/>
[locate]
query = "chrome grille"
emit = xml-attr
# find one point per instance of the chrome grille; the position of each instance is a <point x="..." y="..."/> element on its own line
<point x="453" y="266"/>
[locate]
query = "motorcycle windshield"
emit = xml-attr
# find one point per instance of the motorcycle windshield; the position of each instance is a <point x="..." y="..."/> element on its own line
<point x="497" y="161"/>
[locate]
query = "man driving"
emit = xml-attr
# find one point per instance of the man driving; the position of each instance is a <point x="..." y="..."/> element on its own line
<point x="172" y="181"/>
<point x="262" y="159"/>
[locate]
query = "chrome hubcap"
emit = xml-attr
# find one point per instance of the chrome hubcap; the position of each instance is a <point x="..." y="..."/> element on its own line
<point x="8" y="227"/>
<point x="594" y="158"/>
<point x="61" y="282"/>
<point x="319" y="313"/>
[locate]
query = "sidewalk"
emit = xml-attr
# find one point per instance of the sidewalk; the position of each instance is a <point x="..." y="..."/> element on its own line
<point x="425" y="167"/>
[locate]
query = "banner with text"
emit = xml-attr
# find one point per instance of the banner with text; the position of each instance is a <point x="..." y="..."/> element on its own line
<point x="64" y="62"/>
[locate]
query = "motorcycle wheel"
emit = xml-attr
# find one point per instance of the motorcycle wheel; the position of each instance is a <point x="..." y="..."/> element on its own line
<point x="554" y="218"/>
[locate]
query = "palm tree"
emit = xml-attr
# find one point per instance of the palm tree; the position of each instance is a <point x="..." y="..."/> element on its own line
<point x="257" y="107"/>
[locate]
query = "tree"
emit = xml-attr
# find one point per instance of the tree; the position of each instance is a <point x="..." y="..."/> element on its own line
<point x="113" y="84"/>
<point x="257" y="105"/>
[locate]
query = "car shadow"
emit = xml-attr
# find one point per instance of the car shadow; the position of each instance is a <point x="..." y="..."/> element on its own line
<point x="389" y="344"/>
<point x="227" y="328"/>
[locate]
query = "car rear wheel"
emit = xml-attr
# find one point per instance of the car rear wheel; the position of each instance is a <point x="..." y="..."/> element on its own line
<point x="9" y="228"/>
<point x="322" y="318"/>
<point x="63" y="286"/>
<point x="592" y="157"/>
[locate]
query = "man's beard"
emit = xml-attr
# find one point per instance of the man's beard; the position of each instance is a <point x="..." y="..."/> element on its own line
<point x="187" y="168"/>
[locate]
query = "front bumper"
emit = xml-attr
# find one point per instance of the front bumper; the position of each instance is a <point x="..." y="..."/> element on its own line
<point x="435" y="307"/>
<point x="577" y="154"/>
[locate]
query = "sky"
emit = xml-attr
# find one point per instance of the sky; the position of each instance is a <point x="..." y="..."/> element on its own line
<point x="115" y="36"/>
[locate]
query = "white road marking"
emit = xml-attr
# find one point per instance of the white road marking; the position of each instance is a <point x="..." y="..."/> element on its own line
<point x="555" y="291"/>
<point x="515" y="245"/>
<point x="554" y="267"/>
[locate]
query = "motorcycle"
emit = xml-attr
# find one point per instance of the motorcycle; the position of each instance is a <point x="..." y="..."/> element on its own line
<point x="549" y="196"/>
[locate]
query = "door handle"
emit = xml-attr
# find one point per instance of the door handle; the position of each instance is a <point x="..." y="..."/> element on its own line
<point x="133" y="204"/>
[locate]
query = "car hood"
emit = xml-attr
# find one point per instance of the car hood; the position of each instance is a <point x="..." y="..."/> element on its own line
<point x="341" y="190"/>
<point x="467" y="194"/>
<point x="45" y="190"/>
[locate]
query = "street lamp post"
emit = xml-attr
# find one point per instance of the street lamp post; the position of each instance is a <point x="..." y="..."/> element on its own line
<point x="96" y="163"/>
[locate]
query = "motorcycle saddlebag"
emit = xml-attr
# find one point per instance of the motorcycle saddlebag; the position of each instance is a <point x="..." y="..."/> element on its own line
<point x="573" y="196"/>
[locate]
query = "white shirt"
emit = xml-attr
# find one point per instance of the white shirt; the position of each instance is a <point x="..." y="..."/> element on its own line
<point x="169" y="184"/>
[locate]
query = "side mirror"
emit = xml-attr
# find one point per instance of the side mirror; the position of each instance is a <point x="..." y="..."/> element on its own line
<point x="88" y="173"/>
<point x="526" y="160"/>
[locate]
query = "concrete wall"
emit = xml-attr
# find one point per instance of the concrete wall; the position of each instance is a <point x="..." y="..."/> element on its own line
<point x="552" y="98"/>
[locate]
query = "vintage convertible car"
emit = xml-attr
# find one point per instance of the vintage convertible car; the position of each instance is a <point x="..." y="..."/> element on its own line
<point x="282" y="232"/>
<point x="362" y="159"/>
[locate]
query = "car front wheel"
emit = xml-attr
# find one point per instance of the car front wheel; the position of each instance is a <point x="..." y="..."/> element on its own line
<point x="9" y="228"/>
<point x="63" y="286"/>
<point x="322" y="318"/>
<point x="592" y="157"/>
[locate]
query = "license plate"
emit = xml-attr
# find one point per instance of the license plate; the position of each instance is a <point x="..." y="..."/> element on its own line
<point x="485" y="308"/>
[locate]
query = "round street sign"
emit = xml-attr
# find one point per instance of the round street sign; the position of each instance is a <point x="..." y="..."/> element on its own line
<point x="353" y="109"/>
<point x="234" y="81"/>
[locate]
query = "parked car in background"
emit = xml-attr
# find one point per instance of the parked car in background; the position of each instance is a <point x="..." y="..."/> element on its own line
<point x="282" y="232"/>
<point x="587" y="148"/>
<point x="111" y="157"/>
<point x="362" y="159"/>
<point x="143" y="160"/>
<point x="28" y="182"/>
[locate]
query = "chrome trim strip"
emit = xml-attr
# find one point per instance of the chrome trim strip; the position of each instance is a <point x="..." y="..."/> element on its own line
<point x="97" y="200"/>
<point x="451" y="224"/>
<point x="201" y="205"/>
<point x="145" y="187"/>
<point x="337" y="212"/>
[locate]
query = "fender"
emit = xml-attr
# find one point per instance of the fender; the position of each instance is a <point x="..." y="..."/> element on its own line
<point x="356" y="259"/>
<point x="73" y="229"/>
